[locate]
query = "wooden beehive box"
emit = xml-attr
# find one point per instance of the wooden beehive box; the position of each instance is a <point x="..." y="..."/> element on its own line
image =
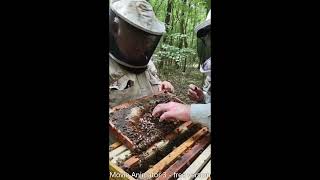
<point x="189" y="157"/>
<point x="135" y="127"/>
<point x="192" y="157"/>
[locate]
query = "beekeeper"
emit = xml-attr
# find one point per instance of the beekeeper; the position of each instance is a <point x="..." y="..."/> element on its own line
<point x="200" y="113"/>
<point x="134" y="33"/>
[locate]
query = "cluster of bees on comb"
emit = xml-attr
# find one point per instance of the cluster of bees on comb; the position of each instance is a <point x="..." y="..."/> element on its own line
<point x="142" y="128"/>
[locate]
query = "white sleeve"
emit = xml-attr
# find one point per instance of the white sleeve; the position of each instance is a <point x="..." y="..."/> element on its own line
<point x="201" y="113"/>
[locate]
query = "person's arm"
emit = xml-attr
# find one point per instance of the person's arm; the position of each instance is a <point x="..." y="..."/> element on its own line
<point x="153" y="70"/>
<point x="201" y="113"/>
<point x="198" y="113"/>
<point x="207" y="90"/>
<point x="207" y="97"/>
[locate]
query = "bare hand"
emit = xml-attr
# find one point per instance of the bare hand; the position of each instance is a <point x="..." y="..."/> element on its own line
<point x="166" y="86"/>
<point x="172" y="111"/>
<point x="195" y="93"/>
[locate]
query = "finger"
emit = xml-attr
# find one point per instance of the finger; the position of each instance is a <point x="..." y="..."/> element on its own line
<point x="171" y="88"/>
<point x="160" y="87"/>
<point x="159" y="109"/>
<point x="169" y="115"/>
<point x="199" y="93"/>
<point x="189" y="94"/>
<point x="167" y="86"/>
<point x="164" y="86"/>
<point x="198" y="90"/>
<point x="193" y="87"/>
<point x="192" y="93"/>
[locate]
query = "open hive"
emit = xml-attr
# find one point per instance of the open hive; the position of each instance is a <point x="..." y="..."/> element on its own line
<point x="149" y="149"/>
<point x="135" y="126"/>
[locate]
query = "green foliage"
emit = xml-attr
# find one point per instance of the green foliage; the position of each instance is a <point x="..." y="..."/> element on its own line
<point x="178" y="36"/>
<point x="179" y="65"/>
<point x="169" y="52"/>
<point x="184" y="16"/>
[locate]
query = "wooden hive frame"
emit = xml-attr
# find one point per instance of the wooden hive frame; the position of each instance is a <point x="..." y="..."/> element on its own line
<point x="187" y="154"/>
<point x="120" y="136"/>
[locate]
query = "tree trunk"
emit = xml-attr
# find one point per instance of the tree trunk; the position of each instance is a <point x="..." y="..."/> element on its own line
<point x="182" y="18"/>
<point x="172" y="23"/>
<point x="194" y="25"/>
<point x="182" y="22"/>
<point x="184" y="25"/>
<point x="168" y="17"/>
<point x="167" y="22"/>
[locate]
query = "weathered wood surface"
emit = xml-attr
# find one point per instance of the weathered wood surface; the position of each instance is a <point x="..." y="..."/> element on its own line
<point x="161" y="165"/>
<point x="197" y="165"/>
<point x="186" y="159"/>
